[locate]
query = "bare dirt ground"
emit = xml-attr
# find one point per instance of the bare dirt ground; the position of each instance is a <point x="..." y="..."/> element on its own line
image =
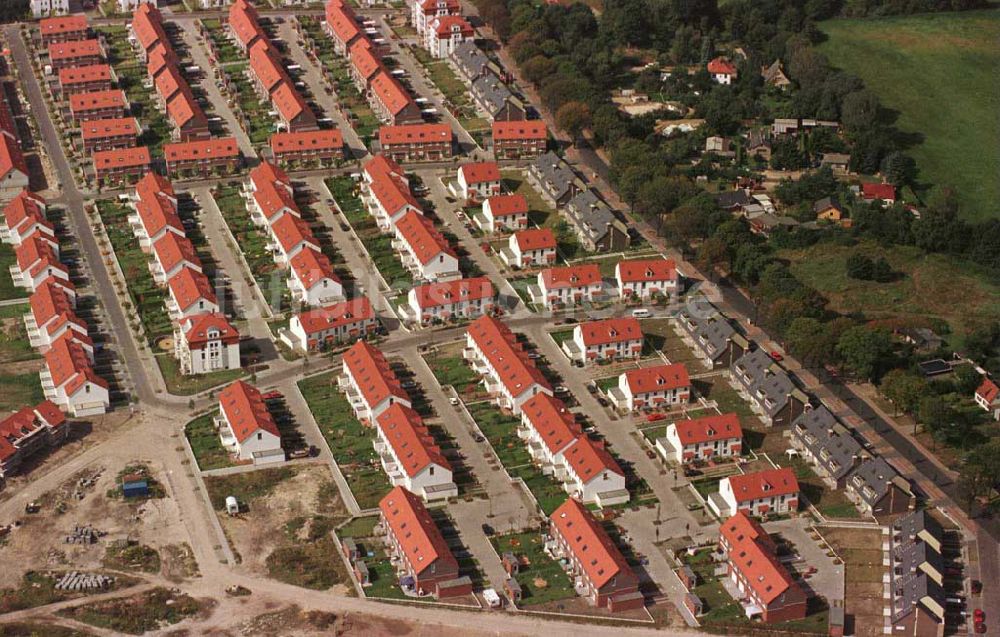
<point x="268" y="521"/>
<point x="40" y="540"/>
<point x="862" y="554"/>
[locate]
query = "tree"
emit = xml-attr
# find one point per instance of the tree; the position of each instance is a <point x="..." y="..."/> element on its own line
<point x="898" y="169"/>
<point x="811" y="340"/>
<point x="859" y="267"/>
<point x="538" y="68"/>
<point x="859" y="111"/>
<point x="980" y="472"/>
<point x="573" y="117"/>
<point x="903" y="389"/>
<point x="864" y="351"/>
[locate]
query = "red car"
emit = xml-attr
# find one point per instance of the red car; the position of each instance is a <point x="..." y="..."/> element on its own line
<point x="776" y="356"/>
<point x="655" y="417"/>
<point x="978" y="616"/>
<point x="271" y="395"/>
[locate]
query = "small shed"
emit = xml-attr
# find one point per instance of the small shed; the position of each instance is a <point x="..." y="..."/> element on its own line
<point x="361" y="572"/>
<point x="510" y="563"/>
<point x="512" y="589"/>
<point x="491" y="598"/>
<point x="693" y="604"/>
<point x="232" y="505"/>
<point x="135" y="486"/>
<point x="351" y="549"/>
<point x="687" y="577"/>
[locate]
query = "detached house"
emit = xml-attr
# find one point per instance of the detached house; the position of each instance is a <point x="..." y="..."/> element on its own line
<point x="643" y="278"/>
<point x="503" y="212"/>
<point x="527" y="248"/>
<point x="478" y="181"/>
<point x="409" y="455"/>
<point x="766" y="587"/>
<point x="987" y="396"/>
<point x="702" y="439"/>
<point x="321" y="327"/>
<point x="424" y="250"/>
<point x="369" y="382"/>
<point x="652" y="388"/>
<point x="246" y="426"/>
<point x="771" y="392"/>
<point x="568" y="286"/>
<point x="722" y="70"/>
<point x="206" y="343"/>
<point x="311" y="279"/>
<point x="190" y="294"/>
<point x="461" y="298"/>
<point x="606" y="580"/>
<point x="884" y="194"/>
<point x="69" y="381"/>
<point x="508" y="374"/>
<point x="605" y="340"/>
<point x="756" y="494"/>
<point x="423" y="560"/>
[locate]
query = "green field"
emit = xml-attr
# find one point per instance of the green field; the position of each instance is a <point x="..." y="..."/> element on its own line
<point x="939" y="72"/>
<point x="933" y="286"/>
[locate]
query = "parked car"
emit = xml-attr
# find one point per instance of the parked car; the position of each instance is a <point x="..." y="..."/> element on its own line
<point x="602" y="401"/>
<point x="979" y="615"/>
<point x="407" y="384"/>
<point x="655" y="417"/>
<point x="592" y="387"/>
<point x="776" y="356"/>
<point x="488" y="530"/>
<point x="534" y="356"/>
<point x="561" y="389"/>
<point x="453" y="401"/>
<point x="977" y="587"/>
<point x="299" y="453"/>
<point x="478" y="438"/>
<point x="980" y="628"/>
<point x="271" y="395"/>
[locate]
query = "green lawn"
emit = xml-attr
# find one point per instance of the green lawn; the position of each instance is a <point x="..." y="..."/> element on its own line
<point x="541" y="214"/>
<point x="205" y="443"/>
<point x="452" y="370"/>
<point x="350" y="442"/>
<point x="832" y="503"/>
<point x="14" y="345"/>
<point x="938" y="71"/>
<point x="933" y="286"/>
<point x="224" y="47"/>
<point x="148" y="300"/>
<point x="180" y="385"/>
<point x="7" y="289"/>
<point x="18" y="390"/>
<point x="554" y="586"/>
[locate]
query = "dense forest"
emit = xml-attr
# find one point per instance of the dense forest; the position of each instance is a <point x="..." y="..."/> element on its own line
<point x="14" y="10"/>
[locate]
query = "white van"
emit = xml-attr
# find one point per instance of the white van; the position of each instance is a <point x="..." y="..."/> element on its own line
<point x="641" y="313"/>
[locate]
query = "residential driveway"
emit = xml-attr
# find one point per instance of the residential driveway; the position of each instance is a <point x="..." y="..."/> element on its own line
<point x="434" y="180"/>
<point x="313" y="78"/>
<point x="199" y="57"/>
<point x="828" y="580"/>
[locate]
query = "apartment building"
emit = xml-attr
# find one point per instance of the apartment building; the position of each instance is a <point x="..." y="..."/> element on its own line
<point x="409" y="455"/>
<point x="202" y="158"/>
<point x="528" y="248"/>
<point x="85" y="79"/>
<point x="509" y="376"/>
<point x="661" y="386"/>
<point x="110" y="104"/>
<point x="121" y="165"/>
<point x="445" y="301"/>
<point x="206" y="343"/>
<point x="418" y="142"/>
<point x="702" y="439"/>
<point x="519" y="139"/>
<point x="320" y="328"/>
<point x="310" y="148"/>
<point x="109" y="134"/>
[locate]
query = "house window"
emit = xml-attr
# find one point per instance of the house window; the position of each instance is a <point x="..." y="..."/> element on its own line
<point x="432" y="470"/>
<point x="260" y="436"/>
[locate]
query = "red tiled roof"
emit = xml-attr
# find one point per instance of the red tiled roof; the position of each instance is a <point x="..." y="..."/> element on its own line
<point x="197" y="328"/>
<point x="614" y="330"/>
<point x="988" y="391"/>
<point x="172" y="250"/>
<point x="187" y="286"/>
<point x="752" y="553"/>
<point x="147" y="25"/>
<point x="480" y="172"/>
<point x="415" y="531"/>
<point x="414" y="134"/>
<point x="384" y="165"/>
<point x="430" y="6"/>
<point x="62" y="24"/>
<point x="768" y="483"/>
<point x="290" y="231"/>
<point x="555" y="424"/>
<point x="391" y="191"/>
<point x="121" y="158"/>
<point x="593" y="547"/>
<point x="878" y="191"/>
<point x="661" y="377"/>
<point x="424" y="240"/>
<point x="153" y="184"/>
<point x="156" y="213"/>
<point x="25" y="422"/>
<point x="204" y="149"/>
<point x="184" y="109"/>
<point x="393" y="97"/>
<point x="267" y="172"/>
<point x="169" y="82"/>
<point x="49" y="301"/>
<point x="82" y="102"/>
<point x="84" y="74"/>
<point x="104" y="128"/>
<point x="508" y="205"/>
<point x="519" y="130"/>
<point x="312" y="266"/>
<point x="289" y="103"/>
<point x="457" y="291"/>
<point x="34" y="253"/>
<point x="25" y="207"/>
<point x="342" y="23"/>
<point x="445" y="25"/>
<point x="336" y="315"/>
<point x="74" y="49"/>
<point x="535" y="239"/>
<point x="331" y="139"/>
<point x="500" y="347"/>
<point x="266" y="66"/>
<point x="69" y="365"/>
<point x="243" y="22"/>
<point x="363" y="59"/>
<point x="413" y="445"/>
<point x="708" y="428"/>
<point x="571" y="276"/>
<point x="159" y="59"/>
<point x="375" y="379"/>
<point x="649" y="270"/>
<point x="246" y="411"/>
<point x="721" y="65"/>
<point x="272" y="197"/>
<point x="11" y="157"/>
<point x="588" y="459"/>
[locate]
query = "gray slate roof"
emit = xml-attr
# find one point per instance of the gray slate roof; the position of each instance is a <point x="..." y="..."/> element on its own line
<point x="909" y="557"/>
<point x="876" y="474"/>
<point x="469" y="58"/>
<point x="830" y="443"/>
<point x="913" y="524"/>
<point x="555" y="175"/>
<point x="910" y="590"/>
<point x="711" y="334"/>
<point x="766" y="380"/>
<point x="491" y="94"/>
<point x="733" y="198"/>
<point x="590" y="215"/>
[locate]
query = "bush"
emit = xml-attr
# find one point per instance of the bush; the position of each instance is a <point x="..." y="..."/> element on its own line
<point x="866" y="269"/>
